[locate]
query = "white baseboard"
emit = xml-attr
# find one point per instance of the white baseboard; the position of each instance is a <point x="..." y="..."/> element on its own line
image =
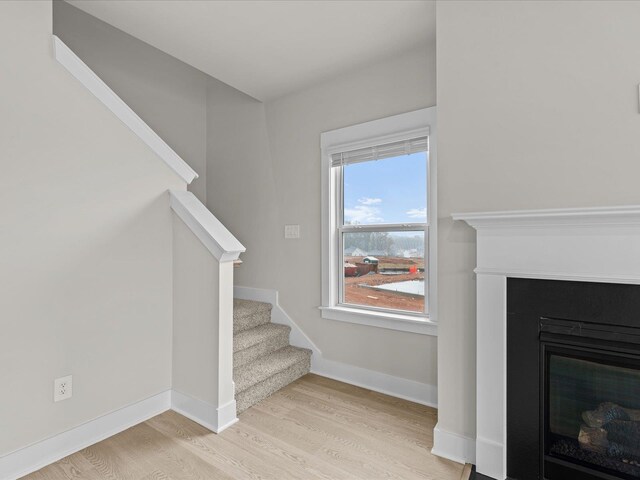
<point x="34" y="457"/>
<point x="491" y="458"/>
<point x="452" y="446"/>
<point x="422" y="393"/>
<point x="404" y="388"/>
<point x="214" y="418"/>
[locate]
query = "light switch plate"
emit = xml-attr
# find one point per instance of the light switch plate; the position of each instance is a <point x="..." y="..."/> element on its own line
<point x="292" y="231"/>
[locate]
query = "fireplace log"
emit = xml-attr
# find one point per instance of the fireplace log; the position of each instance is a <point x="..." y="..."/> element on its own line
<point x="607" y="412"/>
<point x="593" y="439"/>
<point x="625" y="436"/>
<point x="618" y="450"/>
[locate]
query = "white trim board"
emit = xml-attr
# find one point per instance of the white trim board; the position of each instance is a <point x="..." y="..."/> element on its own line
<point x="209" y="230"/>
<point x="583" y="217"/>
<point x="215" y="419"/>
<point x="69" y="60"/>
<point x="452" y="446"/>
<point x="417" y="392"/>
<point x="297" y="337"/>
<point x="38" y="455"/>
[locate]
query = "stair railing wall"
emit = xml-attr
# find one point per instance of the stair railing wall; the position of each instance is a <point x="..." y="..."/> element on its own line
<point x="204" y="252"/>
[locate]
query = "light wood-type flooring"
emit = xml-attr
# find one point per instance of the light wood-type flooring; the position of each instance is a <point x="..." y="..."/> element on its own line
<point x="315" y="428"/>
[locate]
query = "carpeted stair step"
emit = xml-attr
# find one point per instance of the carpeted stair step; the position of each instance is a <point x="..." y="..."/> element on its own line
<point x="249" y="314"/>
<point x="267" y="374"/>
<point x="249" y="345"/>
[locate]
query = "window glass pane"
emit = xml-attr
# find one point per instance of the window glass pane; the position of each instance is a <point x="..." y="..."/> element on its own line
<point x="392" y="190"/>
<point x="384" y="270"/>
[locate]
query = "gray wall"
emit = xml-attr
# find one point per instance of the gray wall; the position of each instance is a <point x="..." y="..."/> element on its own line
<point x="267" y="164"/>
<point x="241" y="188"/>
<point x="85" y="263"/>
<point x="195" y="305"/>
<point x="537" y="108"/>
<point x="169" y="95"/>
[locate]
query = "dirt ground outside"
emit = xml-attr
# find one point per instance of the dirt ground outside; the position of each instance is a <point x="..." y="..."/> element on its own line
<point x="357" y="289"/>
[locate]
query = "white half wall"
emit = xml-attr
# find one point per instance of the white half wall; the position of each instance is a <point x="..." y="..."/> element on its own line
<point x="202" y="373"/>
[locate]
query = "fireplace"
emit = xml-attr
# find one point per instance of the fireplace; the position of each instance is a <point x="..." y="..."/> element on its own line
<point x="573" y="380"/>
<point x="579" y="265"/>
<point x="592" y="418"/>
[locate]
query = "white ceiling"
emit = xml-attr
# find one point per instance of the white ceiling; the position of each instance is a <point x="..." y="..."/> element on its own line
<point x="270" y="48"/>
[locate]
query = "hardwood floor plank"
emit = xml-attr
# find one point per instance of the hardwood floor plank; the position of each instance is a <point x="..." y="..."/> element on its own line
<point x="314" y="429"/>
<point x="381" y="454"/>
<point x="379" y="398"/>
<point x="112" y="462"/>
<point x="407" y="433"/>
<point x="73" y="467"/>
<point x="162" y="452"/>
<point x="287" y="450"/>
<point x="235" y="462"/>
<point x="366" y="404"/>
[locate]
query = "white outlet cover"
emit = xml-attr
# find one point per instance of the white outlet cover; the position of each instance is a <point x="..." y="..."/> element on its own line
<point x="292" y="231"/>
<point x="62" y="388"/>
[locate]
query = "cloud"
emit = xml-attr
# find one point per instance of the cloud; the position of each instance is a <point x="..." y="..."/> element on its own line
<point x="362" y="214"/>
<point x="417" y="213"/>
<point x="369" y="201"/>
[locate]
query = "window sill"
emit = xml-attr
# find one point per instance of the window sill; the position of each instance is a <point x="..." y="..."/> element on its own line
<point x="391" y="321"/>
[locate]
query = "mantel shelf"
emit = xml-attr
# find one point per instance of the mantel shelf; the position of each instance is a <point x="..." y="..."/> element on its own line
<point x="616" y="215"/>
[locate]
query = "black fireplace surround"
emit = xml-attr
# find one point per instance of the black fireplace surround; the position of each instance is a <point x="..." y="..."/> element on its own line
<point x="573" y="380"/>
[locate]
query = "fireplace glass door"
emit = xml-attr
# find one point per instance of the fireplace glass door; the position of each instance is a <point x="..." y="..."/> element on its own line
<point x="591" y="416"/>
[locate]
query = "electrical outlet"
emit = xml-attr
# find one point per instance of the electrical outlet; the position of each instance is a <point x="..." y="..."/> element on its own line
<point x="62" y="388"/>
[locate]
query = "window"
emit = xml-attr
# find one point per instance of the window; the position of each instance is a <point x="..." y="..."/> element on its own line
<point x="378" y="252"/>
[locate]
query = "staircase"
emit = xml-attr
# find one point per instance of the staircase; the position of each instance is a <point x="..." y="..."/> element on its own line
<point x="263" y="360"/>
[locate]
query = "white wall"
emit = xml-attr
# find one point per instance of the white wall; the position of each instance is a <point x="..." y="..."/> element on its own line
<point x="537" y="108"/>
<point x="169" y="95"/>
<point x="256" y="192"/>
<point x="85" y="257"/>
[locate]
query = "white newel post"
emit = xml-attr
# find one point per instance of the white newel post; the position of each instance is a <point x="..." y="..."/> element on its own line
<point x="589" y="244"/>
<point x="226" y="387"/>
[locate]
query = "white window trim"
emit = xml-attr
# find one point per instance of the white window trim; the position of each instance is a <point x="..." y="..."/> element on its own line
<point x="390" y="129"/>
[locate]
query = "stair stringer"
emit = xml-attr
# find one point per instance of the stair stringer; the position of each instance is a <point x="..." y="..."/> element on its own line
<point x="297" y="337"/>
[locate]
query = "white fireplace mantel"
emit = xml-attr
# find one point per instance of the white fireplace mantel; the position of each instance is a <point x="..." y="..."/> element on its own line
<point x="581" y="244"/>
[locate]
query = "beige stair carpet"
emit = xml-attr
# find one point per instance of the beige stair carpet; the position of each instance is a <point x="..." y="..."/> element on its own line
<point x="263" y="360"/>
